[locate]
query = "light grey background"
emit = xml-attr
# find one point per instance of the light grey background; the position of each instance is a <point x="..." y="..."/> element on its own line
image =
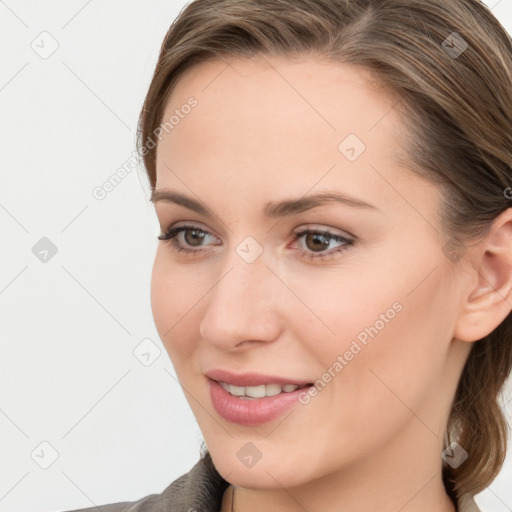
<point x="73" y="388"/>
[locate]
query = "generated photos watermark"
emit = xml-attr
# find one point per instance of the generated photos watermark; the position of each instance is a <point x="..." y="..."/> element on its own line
<point x="357" y="345"/>
<point x="100" y="192"/>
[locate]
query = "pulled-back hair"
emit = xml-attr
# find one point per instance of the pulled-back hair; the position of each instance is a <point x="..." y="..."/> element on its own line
<point x="448" y="64"/>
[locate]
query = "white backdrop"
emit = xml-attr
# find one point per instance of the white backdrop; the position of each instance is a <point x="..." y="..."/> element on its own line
<point x="85" y="418"/>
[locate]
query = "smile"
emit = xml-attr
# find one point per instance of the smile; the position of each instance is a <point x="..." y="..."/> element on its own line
<point x="252" y="392"/>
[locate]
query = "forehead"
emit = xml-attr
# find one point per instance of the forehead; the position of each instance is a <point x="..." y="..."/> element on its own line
<point x="322" y="92"/>
<point x="268" y="121"/>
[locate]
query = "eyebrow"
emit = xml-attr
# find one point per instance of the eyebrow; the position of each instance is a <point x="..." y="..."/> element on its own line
<point x="272" y="209"/>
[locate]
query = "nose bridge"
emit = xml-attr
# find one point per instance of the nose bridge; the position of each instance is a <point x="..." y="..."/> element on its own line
<point x="245" y="272"/>
<point x="241" y="303"/>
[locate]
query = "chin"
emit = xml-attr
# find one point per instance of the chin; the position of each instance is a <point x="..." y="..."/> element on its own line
<point x="265" y="474"/>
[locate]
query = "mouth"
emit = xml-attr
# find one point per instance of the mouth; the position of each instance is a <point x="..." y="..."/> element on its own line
<point x="255" y="385"/>
<point x="252" y="398"/>
<point x="252" y="405"/>
<point x="261" y="391"/>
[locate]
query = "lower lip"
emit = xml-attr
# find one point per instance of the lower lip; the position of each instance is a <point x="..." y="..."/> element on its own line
<point x="253" y="411"/>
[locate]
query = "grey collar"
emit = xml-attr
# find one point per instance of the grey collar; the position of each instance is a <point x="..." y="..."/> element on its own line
<point x="201" y="489"/>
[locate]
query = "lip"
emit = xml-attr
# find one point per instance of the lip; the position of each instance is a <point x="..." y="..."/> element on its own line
<point x="251" y="379"/>
<point x="251" y="412"/>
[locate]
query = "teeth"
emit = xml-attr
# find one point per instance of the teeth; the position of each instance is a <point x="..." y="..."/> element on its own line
<point x="236" y="390"/>
<point x="272" y="389"/>
<point x="290" y="387"/>
<point x="249" y="392"/>
<point x="255" y="391"/>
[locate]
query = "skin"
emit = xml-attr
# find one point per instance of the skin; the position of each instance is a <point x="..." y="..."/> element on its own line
<point x="268" y="129"/>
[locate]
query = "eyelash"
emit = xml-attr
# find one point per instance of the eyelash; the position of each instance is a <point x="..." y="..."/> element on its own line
<point x="170" y="238"/>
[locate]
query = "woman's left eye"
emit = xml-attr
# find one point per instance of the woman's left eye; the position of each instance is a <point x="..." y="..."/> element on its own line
<point x="322" y="239"/>
<point x="314" y="239"/>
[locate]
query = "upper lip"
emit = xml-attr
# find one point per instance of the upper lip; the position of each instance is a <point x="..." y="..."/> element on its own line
<point x="251" y="378"/>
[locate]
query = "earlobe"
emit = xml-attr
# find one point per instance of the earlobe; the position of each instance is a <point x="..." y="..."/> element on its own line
<point x="489" y="302"/>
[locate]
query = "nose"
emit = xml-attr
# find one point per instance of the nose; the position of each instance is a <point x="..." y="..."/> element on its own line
<point x="243" y="308"/>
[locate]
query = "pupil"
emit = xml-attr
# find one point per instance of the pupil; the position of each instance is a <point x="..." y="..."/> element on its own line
<point x="316" y="237"/>
<point x="198" y="236"/>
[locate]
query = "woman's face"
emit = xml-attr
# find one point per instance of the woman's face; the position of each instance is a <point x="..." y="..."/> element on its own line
<point x="369" y="315"/>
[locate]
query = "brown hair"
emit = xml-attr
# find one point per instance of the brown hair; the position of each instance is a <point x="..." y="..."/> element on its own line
<point x="456" y="102"/>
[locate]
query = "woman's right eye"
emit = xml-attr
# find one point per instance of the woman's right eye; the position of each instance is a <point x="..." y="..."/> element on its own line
<point x="171" y="237"/>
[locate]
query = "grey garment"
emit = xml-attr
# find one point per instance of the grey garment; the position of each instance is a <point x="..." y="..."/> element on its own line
<point x="199" y="490"/>
<point x="202" y="490"/>
<point x="467" y="504"/>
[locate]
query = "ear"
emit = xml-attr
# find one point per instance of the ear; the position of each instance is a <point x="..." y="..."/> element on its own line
<point x="488" y="298"/>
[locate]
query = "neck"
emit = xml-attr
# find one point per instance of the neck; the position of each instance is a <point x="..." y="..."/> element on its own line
<point x="241" y="501"/>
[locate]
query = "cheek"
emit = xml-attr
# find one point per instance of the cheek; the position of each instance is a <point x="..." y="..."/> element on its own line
<point x="368" y="324"/>
<point x="172" y="301"/>
<point x="346" y="311"/>
<point x="402" y="367"/>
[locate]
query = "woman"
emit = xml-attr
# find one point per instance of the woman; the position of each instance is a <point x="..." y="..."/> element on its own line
<point x="333" y="284"/>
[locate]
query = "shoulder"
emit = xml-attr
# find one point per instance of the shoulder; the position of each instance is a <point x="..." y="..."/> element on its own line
<point x="202" y="488"/>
